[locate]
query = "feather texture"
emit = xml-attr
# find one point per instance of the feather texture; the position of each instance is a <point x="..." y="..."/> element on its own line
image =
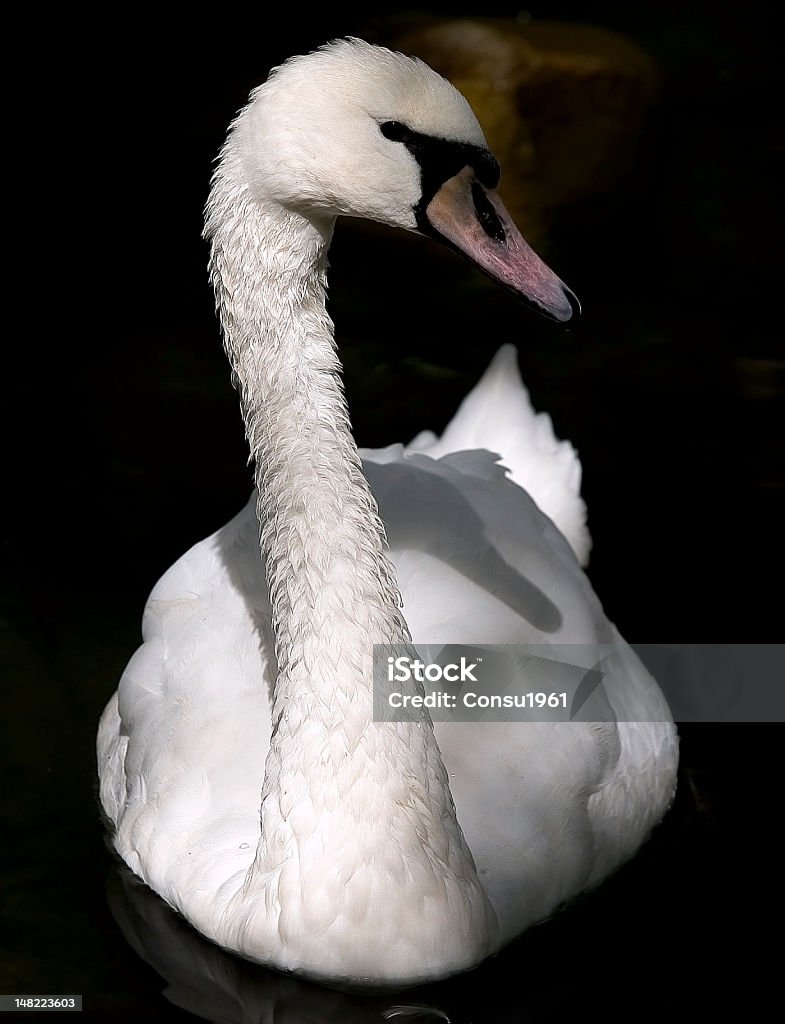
<point x="239" y="761"/>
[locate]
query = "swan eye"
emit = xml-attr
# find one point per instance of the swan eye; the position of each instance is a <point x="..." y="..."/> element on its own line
<point x="393" y="130"/>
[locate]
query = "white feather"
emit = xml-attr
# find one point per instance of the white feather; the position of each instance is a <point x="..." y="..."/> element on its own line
<point x="240" y="765"/>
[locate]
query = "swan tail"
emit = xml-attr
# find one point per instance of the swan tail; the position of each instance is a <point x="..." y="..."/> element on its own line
<point x="497" y="415"/>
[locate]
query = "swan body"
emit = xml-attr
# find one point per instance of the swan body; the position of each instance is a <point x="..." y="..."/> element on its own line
<point x="239" y="761"/>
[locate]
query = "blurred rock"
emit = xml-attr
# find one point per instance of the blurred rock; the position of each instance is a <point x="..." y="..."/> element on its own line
<point x="562" y="105"/>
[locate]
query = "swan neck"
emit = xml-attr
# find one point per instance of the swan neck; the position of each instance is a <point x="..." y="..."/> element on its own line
<point x="337" y="784"/>
<point x="321" y="537"/>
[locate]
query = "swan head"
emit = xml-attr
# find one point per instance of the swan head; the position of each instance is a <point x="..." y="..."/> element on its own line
<point x="357" y="130"/>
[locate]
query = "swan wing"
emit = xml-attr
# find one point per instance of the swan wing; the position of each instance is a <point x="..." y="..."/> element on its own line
<point x="548" y="808"/>
<point x="181" y="745"/>
<point x="497" y="416"/>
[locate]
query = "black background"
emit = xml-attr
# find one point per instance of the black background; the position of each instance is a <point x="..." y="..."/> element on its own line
<point x="129" y="448"/>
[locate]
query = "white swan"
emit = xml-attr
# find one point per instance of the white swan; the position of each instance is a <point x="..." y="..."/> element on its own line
<point x="254" y="681"/>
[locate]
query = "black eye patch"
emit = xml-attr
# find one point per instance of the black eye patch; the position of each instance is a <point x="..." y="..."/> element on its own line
<point x="440" y="160"/>
<point x="393" y="130"/>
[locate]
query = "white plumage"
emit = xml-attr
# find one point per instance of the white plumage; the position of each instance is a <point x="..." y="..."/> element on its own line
<point x="252" y="687"/>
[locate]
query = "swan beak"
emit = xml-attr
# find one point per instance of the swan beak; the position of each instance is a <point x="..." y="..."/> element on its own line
<point x="473" y="220"/>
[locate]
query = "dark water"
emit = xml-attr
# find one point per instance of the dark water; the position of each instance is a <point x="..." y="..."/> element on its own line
<point x="671" y="389"/>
